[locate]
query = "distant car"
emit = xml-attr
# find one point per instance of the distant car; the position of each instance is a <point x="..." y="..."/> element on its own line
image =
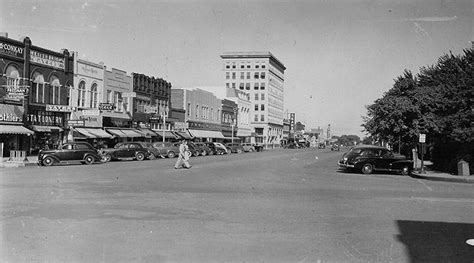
<point x="205" y="150"/>
<point x="258" y="147"/>
<point x="126" y="150"/>
<point x="215" y="149"/>
<point x="248" y="147"/>
<point x="335" y="147"/>
<point x="322" y="146"/>
<point x="70" y="152"/>
<point x="235" y="147"/>
<point x="222" y="146"/>
<point x="370" y="158"/>
<point x="292" y="145"/>
<point x="167" y="149"/>
<point x="149" y="146"/>
<point x="195" y="151"/>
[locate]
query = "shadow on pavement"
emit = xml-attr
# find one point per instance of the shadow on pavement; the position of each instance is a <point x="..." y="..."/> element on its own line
<point x="436" y="241"/>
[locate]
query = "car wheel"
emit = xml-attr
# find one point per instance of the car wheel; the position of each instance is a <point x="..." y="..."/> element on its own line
<point x="250" y="150"/>
<point x="106" y="158"/>
<point x="48" y="161"/>
<point x="89" y="159"/>
<point x="140" y="157"/>
<point x="367" y="168"/>
<point x="204" y="153"/>
<point x="171" y="155"/>
<point x="406" y="170"/>
<point x="239" y="151"/>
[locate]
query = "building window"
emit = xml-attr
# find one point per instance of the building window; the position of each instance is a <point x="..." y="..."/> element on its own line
<point x="242" y="75"/>
<point x="262" y="97"/>
<point x="262" y="107"/>
<point x="242" y="66"/>
<point x="212" y="114"/>
<point x="227" y="75"/>
<point x="81" y="94"/>
<point x="109" y="96"/>
<point x="257" y="66"/>
<point x="227" y="66"/>
<point x="255" y="86"/>
<point x="241" y="86"/>
<point x="233" y="85"/>
<point x="262" y="75"/>
<point x="13" y="76"/>
<point x="248" y="75"/>
<point x="37" y="90"/>
<point x="247" y="86"/>
<point x="188" y="109"/>
<point x="227" y="85"/>
<point x="262" y="117"/>
<point x="256" y="96"/>
<point x="54" y="90"/>
<point x="256" y="75"/>
<point x="197" y="112"/>
<point x="94" y="95"/>
<point x="218" y="116"/>
<point x="256" y="117"/>
<point x="256" y="107"/>
<point x="263" y="65"/>
<point x="262" y="86"/>
<point x="248" y="64"/>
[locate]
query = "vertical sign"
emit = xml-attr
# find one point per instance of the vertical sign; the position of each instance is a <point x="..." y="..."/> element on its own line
<point x="292" y="122"/>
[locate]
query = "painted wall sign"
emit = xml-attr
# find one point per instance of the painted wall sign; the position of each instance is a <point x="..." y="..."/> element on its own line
<point x="10" y="117"/>
<point x="50" y="120"/>
<point x="47" y="59"/>
<point x="60" y="108"/>
<point x="11" y="50"/>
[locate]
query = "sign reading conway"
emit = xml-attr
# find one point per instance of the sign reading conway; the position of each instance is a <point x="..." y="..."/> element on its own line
<point x="11" y="50"/>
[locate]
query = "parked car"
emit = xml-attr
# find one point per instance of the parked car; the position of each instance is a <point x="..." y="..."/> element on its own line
<point x="215" y="149"/>
<point x="235" y="147"/>
<point x="205" y="150"/>
<point x="126" y="150"/>
<point x="154" y="152"/>
<point x="370" y="158"/>
<point x="222" y="146"/>
<point x="322" y="146"/>
<point x="248" y="147"/>
<point x="258" y="147"/>
<point x="195" y="151"/>
<point x="335" y="147"/>
<point x="167" y="149"/>
<point x="292" y="145"/>
<point x="70" y="152"/>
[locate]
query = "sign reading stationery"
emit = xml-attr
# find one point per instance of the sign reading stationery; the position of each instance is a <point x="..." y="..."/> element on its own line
<point x="47" y="59"/>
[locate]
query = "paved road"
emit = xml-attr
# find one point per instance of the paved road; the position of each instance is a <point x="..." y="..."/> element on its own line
<point x="275" y="206"/>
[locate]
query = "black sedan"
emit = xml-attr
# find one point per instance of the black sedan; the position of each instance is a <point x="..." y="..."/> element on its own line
<point x="127" y="150"/>
<point x="79" y="152"/>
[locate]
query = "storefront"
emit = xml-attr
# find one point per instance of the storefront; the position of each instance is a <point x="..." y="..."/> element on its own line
<point x="13" y="135"/>
<point x="205" y="132"/>
<point x="49" y="127"/>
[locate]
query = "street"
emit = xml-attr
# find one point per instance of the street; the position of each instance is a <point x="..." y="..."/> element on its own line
<point x="283" y="205"/>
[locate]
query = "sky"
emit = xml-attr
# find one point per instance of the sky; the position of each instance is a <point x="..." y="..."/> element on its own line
<point x="340" y="56"/>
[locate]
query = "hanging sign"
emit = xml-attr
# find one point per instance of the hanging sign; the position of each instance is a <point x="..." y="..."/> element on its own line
<point x="106" y="106"/>
<point x="60" y="108"/>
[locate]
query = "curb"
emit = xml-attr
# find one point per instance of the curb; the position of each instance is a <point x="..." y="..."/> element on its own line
<point x="453" y="179"/>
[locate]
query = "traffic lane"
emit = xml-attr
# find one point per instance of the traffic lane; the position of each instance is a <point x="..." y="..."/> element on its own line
<point x="280" y="211"/>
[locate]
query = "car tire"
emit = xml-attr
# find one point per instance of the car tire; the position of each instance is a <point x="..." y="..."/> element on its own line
<point x="367" y="168"/>
<point x="239" y="151"/>
<point x="171" y="155"/>
<point x="405" y="170"/>
<point x="106" y="158"/>
<point x="140" y="156"/>
<point x="250" y="150"/>
<point x="48" y="161"/>
<point x="89" y="159"/>
<point x="204" y="153"/>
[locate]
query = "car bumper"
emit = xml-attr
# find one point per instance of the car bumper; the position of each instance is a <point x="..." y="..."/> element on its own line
<point x="345" y="165"/>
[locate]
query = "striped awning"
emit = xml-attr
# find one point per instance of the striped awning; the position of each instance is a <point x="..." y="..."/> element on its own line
<point x="168" y="134"/>
<point x="146" y="132"/>
<point x="85" y="132"/>
<point x="184" y="134"/>
<point x="99" y="133"/>
<point x="206" y="134"/>
<point x="125" y="133"/>
<point x="14" y="129"/>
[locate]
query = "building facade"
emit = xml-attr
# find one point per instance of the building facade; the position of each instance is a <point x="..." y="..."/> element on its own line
<point x="261" y="75"/>
<point x="242" y="99"/>
<point x="203" y="112"/>
<point x="37" y="82"/>
<point x="229" y="119"/>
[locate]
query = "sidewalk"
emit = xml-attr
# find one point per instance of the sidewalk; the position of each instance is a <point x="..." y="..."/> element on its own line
<point x="31" y="160"/>
<point x="433" y="175"/>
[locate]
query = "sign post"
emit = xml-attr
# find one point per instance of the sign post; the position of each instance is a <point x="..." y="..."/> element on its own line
<point x="422" y="141"/>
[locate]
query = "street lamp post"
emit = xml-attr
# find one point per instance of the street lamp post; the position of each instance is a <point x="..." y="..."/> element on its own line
<point x="164" y="114"/>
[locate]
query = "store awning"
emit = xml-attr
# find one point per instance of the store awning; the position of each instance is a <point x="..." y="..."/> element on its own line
<point x="41" y="128"/>
<point x="14" y="129"/>
<point x="183" y="134"/>
<point x="206" y="134"/>
<point x="146" y="132"/>
<point x="99" y="133"/>
<point x="124" y="133"/>
<point x="168" y="134"/>
<point x="85" y="132"/>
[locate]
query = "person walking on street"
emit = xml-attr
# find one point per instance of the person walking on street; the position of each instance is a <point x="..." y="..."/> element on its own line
<point x="183" y="156"/>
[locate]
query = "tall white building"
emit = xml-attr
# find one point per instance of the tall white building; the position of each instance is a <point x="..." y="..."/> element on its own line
<point x="261" y="75"/>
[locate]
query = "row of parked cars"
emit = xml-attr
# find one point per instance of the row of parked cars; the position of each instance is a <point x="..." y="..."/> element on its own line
<point x="86" y="153"/>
